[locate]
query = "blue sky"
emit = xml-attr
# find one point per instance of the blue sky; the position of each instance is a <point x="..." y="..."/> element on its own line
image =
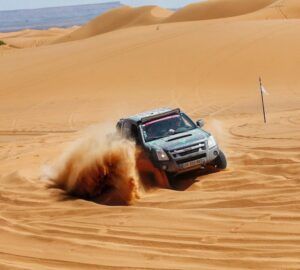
<point x="28" y="4"/>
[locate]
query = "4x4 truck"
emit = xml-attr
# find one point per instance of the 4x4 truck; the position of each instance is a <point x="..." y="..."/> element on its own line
<point x="172" y="141"/>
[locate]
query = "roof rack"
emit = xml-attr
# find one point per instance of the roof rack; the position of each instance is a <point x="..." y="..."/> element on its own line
<point x="159" y="115"/>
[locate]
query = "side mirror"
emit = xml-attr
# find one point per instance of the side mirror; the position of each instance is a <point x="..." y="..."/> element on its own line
<point x="200" y="123"/>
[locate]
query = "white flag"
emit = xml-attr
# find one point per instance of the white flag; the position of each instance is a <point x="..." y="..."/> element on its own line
<point x="263" y="89"/>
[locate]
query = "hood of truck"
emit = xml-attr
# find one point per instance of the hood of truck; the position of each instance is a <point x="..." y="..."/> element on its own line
<point x="179" y="140"/>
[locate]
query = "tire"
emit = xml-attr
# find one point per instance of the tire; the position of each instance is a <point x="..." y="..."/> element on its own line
<point x="220" y="162"/>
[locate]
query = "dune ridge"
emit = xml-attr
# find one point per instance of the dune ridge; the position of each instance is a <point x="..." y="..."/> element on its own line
<point x="208" y="10"/>
<point x="215" y="9"/>
<point x="280" y="9"/>
<point x="125" y="16"/>
<point x="116" y="19"/>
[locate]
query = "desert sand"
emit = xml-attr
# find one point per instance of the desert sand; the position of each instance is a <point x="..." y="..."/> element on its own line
<point x="246" y="217"/>
<point x="30" y="38"/>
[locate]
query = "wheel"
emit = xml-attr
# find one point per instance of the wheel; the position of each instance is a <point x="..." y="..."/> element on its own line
<point x="220" y="162"/>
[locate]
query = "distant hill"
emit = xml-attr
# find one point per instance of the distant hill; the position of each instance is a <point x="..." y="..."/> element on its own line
<point x="44" y="18"/>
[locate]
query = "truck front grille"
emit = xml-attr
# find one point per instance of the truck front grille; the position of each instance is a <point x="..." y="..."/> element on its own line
<point x="188" y="152"/>
<point x="185" y="151"/>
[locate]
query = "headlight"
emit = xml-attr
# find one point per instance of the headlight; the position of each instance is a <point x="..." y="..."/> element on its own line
<point x="161" y="155"/>
<point x="211" y="142"/>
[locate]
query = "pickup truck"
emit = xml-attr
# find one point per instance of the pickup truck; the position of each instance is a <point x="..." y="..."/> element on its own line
<point x="172" y="141"/>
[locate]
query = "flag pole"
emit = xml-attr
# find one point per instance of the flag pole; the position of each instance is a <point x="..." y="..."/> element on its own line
<point x="262" y="100"/>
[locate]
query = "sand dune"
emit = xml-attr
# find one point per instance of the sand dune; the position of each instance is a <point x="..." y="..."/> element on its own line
<point x="246" y="217"/>
<point x="118" y="18"/>
<point x="33" y="38"/>
<point x="214" y="9"/>
<point x="286" y="9"/>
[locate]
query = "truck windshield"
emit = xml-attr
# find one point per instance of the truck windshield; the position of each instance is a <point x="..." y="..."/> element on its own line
<point x="167" y="126"/>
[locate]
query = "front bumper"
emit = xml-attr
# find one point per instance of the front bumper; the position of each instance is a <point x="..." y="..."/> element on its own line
<point x="189" y="158"/>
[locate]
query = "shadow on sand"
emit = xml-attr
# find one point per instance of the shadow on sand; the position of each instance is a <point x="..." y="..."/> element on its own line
<point x="185" y="181"/>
